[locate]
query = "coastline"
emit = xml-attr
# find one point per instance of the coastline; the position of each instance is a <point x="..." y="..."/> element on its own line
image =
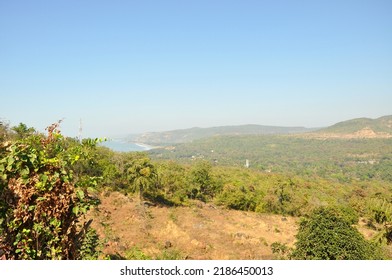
<point x="146" y="147"/>
<point x="119" y="145"/>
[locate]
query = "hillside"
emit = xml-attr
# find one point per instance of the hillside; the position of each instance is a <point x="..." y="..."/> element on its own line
<point x="202" y="231"/>
<point x="359" y="128"/>
<point x="191" y="134"/>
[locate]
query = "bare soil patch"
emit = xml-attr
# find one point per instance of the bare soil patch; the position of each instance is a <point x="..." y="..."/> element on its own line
<point x="201" y="231"/>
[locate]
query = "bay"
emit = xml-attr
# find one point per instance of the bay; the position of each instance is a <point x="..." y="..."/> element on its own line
<point x="123" y="146"/>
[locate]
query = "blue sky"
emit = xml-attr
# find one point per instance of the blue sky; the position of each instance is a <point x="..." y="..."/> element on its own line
<point x="135" y="66"/>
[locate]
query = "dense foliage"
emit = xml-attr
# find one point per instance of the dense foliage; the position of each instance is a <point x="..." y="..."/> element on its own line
<point x="41" y="200"/>
<point x="326" y="235"/>
<point x="381" y="211"/>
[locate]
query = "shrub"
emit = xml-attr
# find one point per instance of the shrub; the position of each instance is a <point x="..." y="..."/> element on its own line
<point x="40" y="199"/>
<point x="381" y="211"/>
<point x="281" y="251"/>
<point x="239" y="198"/>
<point x="326" y="235"/>
<point x="202" y="185"/>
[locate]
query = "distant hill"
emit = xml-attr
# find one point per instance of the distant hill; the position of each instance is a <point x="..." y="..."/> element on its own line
<point x="360" y="128"/>
<point x="356" y="128"/>
<point x="191" y="134"/>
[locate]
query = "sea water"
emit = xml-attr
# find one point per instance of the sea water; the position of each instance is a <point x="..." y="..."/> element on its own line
<point x="123" y="146"/>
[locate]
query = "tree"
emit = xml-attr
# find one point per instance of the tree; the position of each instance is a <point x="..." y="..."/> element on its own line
<point x="171" y="180"/>
<point x="381" y="211"/>
<point x="201" y="181"/>
<point x="3" y="131"/>
<point x="23" y="131"/>
<point x="41" y="201"/>
<point x="326" y="235"/>
<point x="142" y="175"/>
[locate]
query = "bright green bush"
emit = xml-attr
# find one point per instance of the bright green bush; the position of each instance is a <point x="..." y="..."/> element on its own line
<point x="239" y="198"/>
<point x="326" y="235"/>
<point x="381" y="211"/>
<point x="172" y="182"/>
<point x="201" y="184"/>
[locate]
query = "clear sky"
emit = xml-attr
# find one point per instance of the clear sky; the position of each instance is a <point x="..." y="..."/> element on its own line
<point x="135" y="66"/>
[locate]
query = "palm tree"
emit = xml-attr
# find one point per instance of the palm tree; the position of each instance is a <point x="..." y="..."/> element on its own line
<point x="142" y="176"/>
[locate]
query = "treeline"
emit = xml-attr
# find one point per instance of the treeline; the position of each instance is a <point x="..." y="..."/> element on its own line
<point x="343" y="160"/>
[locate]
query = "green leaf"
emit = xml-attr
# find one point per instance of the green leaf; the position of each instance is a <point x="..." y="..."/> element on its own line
<point x="44" y="179"/>
<point x="54" y="222"/>
<point x="11" y="160"/>
<point x="83" y="210"/>
<point x="25" y="172"/>
<point x="37" y="227"/>
<point x="80" y="194"/>
<point x="75" y="210"/>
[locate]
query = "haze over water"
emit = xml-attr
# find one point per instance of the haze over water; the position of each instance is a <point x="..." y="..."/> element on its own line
<point x="122" y="146"/>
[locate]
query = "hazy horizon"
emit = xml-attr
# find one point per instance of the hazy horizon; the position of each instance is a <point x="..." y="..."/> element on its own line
<point x="127" y="67"/>
<point x="127" y="134"/>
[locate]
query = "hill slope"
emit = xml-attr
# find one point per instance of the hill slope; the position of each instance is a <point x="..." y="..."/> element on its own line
<point x="360" y="128"/>
<point x="202" y="231"/>
<point x="191" y="134"/>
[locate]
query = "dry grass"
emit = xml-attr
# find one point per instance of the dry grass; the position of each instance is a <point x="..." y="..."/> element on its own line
<point x="201" y="231"/>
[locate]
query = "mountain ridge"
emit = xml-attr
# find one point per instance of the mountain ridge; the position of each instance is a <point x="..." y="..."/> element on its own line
<point x="195" y="133"/>
<point x="354" y="128"/>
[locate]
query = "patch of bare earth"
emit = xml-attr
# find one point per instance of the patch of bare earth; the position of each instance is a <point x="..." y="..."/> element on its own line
<point x="201" y="231"/>
<point x="365" y="133"/>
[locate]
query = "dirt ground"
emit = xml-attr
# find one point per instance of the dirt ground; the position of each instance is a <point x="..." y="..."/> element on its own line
<point x="201" y="231"/>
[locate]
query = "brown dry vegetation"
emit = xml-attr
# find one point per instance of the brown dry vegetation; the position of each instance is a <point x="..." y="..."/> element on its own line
<point x="201" y="231"/>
